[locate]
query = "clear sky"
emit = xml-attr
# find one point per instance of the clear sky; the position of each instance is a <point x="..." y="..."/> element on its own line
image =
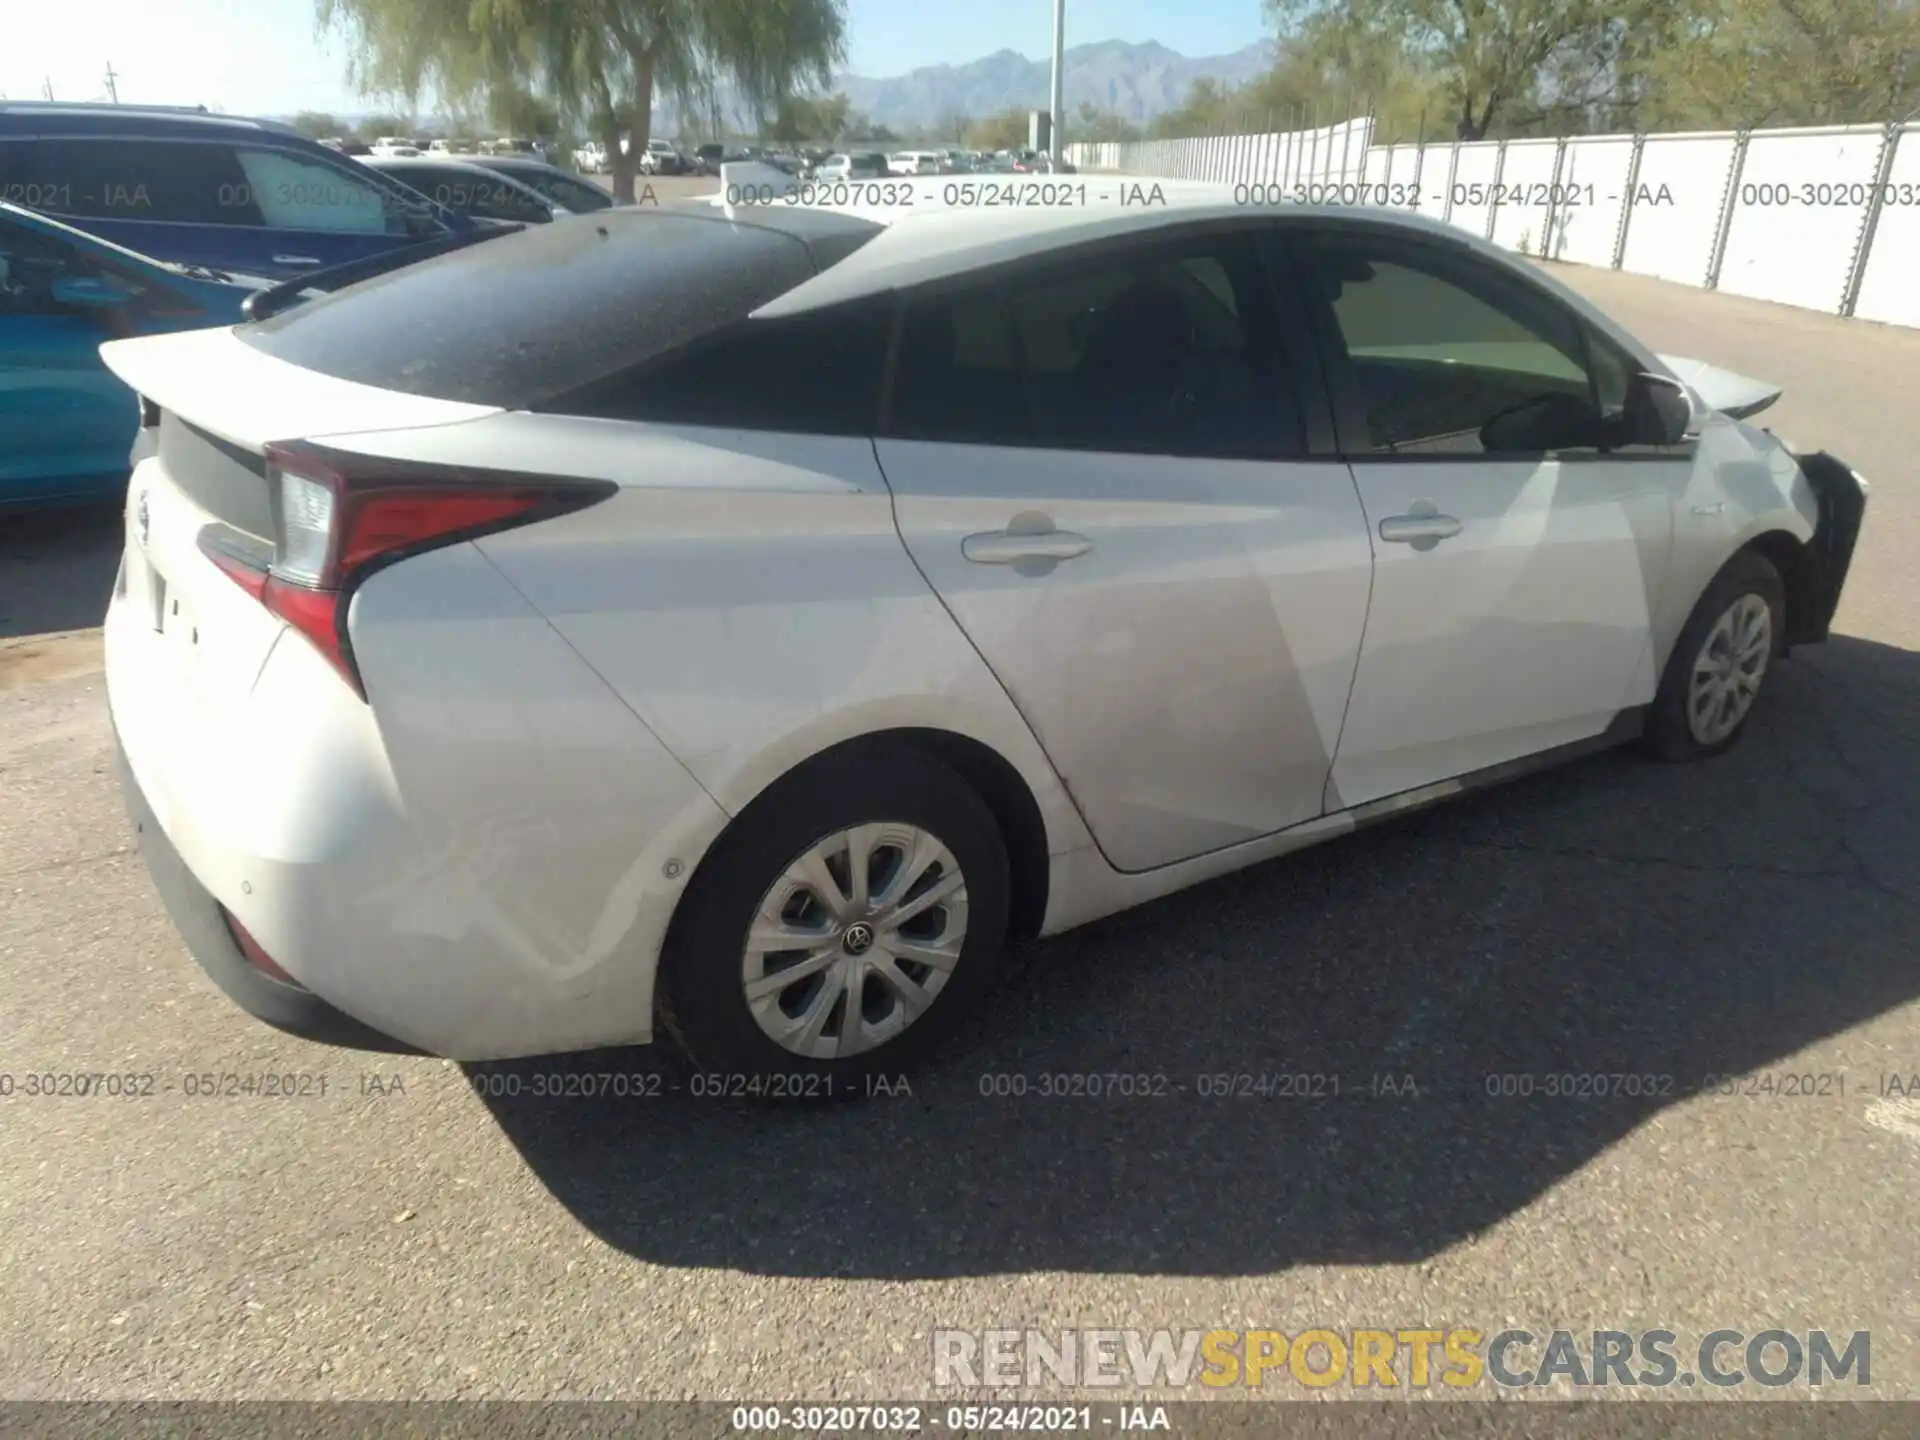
<point x="264" y="56"/>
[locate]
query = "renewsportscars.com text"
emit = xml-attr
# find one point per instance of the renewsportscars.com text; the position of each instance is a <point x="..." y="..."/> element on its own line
<point x="1414" y="1358"/>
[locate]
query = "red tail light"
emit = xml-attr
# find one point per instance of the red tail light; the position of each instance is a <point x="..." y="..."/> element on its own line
<point x="339" y="517"/>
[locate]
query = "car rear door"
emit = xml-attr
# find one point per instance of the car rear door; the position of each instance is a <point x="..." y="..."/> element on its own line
<point x="1518" y="555"/>
<point x="1101" y="465"/>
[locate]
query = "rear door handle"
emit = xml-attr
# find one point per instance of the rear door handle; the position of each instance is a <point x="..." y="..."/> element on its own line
<point x="1423" y="526"/>
<point x="296" y="259"/>
<point x="1007" y="547"/>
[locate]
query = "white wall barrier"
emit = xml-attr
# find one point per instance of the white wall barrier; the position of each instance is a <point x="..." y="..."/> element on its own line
<point x="1826" y="219"/>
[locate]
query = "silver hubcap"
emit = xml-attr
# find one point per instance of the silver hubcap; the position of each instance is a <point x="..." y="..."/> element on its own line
<point x="1728" y="670"/>
<point x="853" y="942"/>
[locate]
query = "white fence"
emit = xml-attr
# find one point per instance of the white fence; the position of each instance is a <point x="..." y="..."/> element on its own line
<point x="1827" y="219"/>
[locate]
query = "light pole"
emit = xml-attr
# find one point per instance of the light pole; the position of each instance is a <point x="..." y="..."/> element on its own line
<point x="1054" y="102"/>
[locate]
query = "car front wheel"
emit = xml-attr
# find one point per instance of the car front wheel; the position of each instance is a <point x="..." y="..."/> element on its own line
<point x="848" y="919"/>
<point x="1720" y="662"/>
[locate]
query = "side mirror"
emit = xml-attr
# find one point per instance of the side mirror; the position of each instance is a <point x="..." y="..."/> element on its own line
<point x="1659" y="411"/>
<point x="89" y="292"/>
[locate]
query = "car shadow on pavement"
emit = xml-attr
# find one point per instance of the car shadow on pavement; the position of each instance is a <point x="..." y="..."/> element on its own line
<point x="57" y="568"/>
<point x="1615" y="919"/>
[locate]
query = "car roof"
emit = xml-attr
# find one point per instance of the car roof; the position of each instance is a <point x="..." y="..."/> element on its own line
<point x="423" y="162"/>
<point x="920" y="246"/>
<point x="510" y="163"/>
<point x="59" y="118"/>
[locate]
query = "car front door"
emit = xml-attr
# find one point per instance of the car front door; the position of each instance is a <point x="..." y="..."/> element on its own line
<point x="1100" y="464"/>
<point x="1518" y="549"/>
<point x="64" y="417"/>
<point x="257" y="209"/>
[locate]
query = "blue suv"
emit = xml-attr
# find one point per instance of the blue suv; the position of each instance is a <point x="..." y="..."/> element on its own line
<point x="253" y="196"/>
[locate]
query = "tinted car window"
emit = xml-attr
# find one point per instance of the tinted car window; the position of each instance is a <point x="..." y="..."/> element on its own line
<point x="1444" y="354"/>
<point x="575" y="195"/>
<point x="472" y="192"/>
<point x="816" y="373"/>
<point x="294" y="192"/>
<point x="558" y="306"/>
<point x="172" y="180"/>
<point x="31" y="262"/>
<point x="194" y="182"/>
<point x="1156" y="348"/>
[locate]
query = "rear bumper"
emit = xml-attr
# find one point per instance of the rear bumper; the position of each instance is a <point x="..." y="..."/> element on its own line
<point x="1842" y="498"/>
<point x="480" y="865"/>
<point x="198" y="918"/>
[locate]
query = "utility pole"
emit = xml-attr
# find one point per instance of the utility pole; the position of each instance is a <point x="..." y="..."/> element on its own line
<point x="113" y="90"/>
<point x="1054" y="101"/>
<point x="49" y="87"/>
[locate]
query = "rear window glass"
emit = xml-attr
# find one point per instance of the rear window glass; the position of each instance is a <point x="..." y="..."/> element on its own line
<point x="517" y="320"/>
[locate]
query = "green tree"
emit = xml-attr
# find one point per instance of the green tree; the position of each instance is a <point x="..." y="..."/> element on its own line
<point x="318" y="125"/>
<point x="1004" y="131"/>
<point x="601" y="64"/>
<point x="1747" y="63"/>
<point x="515" y="110"/>
<point x="1510" y="63"/>
<point x="800" y="119"/>
<point x="1092" y="124"/>
<point x="374" y="126"/>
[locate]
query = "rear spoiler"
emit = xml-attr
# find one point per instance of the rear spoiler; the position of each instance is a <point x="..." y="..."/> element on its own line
<point x="275" y="298"/>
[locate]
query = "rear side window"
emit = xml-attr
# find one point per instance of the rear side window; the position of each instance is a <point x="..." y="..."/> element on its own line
<point x="570" y="194"/>
<point x="1167" y="348"/>
<point x="295" y="192"/>
<point x="817" y="373"/>
<point x="193" y="182"/>
<point x="489" y="196"/>
<point x="520" y="319"/>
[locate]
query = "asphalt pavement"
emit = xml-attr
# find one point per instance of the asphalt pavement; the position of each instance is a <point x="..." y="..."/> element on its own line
<point x="406" y="1228"/>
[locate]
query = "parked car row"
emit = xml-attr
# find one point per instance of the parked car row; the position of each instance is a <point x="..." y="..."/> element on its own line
<point x="122" y="220"/>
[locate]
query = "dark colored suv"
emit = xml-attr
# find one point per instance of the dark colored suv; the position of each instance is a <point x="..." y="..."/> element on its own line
<point x="252" y="196"/>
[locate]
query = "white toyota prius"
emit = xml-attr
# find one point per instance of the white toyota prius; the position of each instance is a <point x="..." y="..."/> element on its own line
<point x="739" y="626"/>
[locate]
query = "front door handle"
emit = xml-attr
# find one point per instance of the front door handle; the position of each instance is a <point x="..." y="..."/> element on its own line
<point x="1423" y="526"/>
<point x="1029" y="543"/>
<point x="296" y="259"/>
<point x="1005" y="547"/>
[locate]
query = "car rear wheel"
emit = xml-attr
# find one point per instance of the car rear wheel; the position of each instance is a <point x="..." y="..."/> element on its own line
<point x="842" y="925"/>
<point x="1720" y="662"/>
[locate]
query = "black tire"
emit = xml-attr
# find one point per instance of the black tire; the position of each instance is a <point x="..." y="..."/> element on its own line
<point x="1668" y="736"/>
<point x="703" y="1005"/>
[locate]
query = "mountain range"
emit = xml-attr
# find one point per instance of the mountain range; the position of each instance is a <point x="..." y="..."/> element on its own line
<point x="1136" y="82"/>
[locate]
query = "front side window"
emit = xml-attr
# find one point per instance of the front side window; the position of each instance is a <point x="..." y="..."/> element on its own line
<point x="1164" y="348"/>
<point x="176" y="181"/>
<point x="43" y="274"/>
<point x="1443" y="354"/>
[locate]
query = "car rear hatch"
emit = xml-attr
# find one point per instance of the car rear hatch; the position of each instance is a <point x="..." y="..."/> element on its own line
<point x="185" y="641"/>
<point x="278" y="465"/>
